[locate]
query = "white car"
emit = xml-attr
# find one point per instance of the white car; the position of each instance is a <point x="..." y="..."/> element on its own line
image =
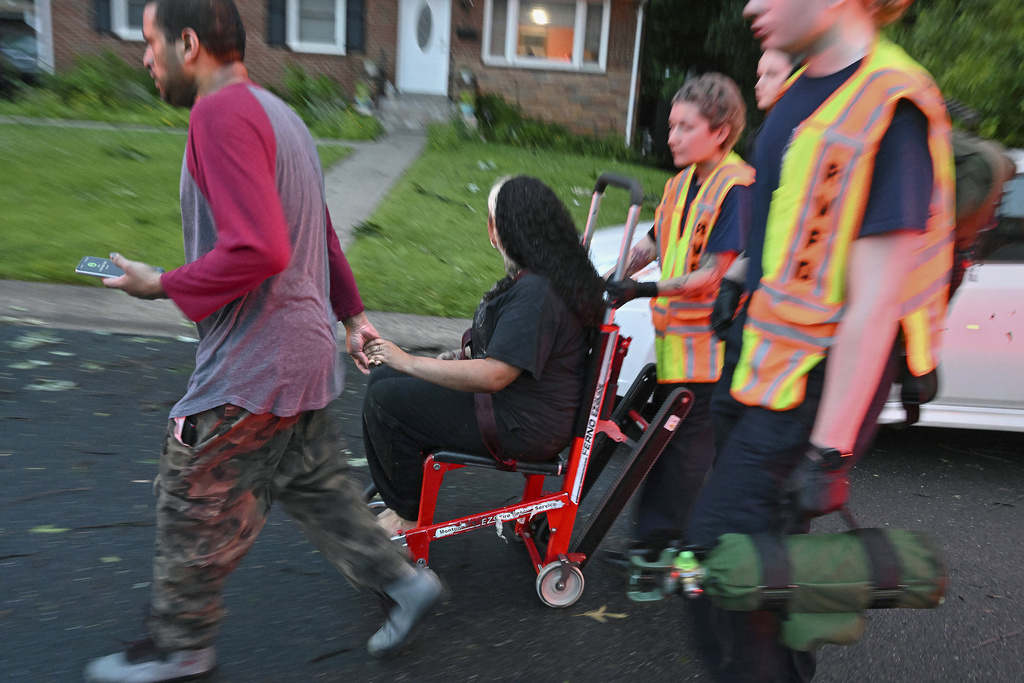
<point x="981" y="375"/>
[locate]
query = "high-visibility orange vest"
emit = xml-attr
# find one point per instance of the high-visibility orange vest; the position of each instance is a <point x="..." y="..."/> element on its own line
<point x="684" y="344"/>
<point x="815" y="215"/>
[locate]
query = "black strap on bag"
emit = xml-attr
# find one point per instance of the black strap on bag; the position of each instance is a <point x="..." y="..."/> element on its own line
<point x="885" y="568"/>
<point x="775" y="570"/>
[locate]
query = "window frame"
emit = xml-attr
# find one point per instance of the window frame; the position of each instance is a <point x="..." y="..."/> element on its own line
<point x="119" y="22"/>
<point x="512" y="59"/>
<point x="339" y="46"/>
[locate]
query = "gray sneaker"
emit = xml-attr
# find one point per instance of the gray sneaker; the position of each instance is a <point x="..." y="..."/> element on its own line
<point x="142" y="662"/>
<point x="414" y="596"/>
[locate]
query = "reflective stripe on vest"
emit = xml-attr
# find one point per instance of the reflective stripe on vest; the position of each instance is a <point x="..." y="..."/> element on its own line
<point x="815" y="215"/>
<point x="684" y="344"/>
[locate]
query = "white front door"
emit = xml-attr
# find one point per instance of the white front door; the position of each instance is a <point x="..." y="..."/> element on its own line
<point x="424" y="32"/>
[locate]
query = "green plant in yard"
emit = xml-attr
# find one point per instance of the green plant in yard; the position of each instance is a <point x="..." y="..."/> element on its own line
<point x="427" y="251"/>
<point x="71" y="192"/>
<point x="100" y="88"/>
<point x="322" y="104"/>
<point x="106" y="88"/>
<point x="506" y="124"/>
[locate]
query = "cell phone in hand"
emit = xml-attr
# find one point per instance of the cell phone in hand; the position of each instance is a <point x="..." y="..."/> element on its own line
<point x="101" y="267"/>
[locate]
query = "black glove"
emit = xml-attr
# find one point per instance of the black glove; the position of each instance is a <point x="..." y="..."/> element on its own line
<point x="821" y="482"/>
<point x="726" y="303"/>
<point x="621" y="291"/>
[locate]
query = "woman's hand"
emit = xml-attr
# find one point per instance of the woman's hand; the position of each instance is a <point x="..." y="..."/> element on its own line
<point x="382" y="352"/>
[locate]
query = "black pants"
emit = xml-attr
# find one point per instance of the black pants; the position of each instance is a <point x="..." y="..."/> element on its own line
<point x="759" y="449"/>
<point x="403" y="419"/>
<point x="669" y="491"/>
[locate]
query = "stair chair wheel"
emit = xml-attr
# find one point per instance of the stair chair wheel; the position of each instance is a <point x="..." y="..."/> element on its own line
<point x="556" y="592"/>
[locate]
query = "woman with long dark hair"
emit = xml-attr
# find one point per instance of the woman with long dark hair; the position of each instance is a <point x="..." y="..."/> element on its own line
<point x="529" y="344"/>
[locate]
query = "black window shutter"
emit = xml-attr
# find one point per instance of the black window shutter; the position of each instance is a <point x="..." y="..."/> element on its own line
<point x="102" y="10"/>
<point x="355" y="26"/>
<point x="276" y="14"/>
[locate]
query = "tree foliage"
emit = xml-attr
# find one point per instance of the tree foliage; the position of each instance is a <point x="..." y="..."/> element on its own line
<point x="974" y="48"/>
<point x="687" y="38"/>
<point x="975" y="51"/>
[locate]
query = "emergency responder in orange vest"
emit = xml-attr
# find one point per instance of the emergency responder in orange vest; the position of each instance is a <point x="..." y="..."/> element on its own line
<point x="850" y="248"/>
<point x="698" y="230"/>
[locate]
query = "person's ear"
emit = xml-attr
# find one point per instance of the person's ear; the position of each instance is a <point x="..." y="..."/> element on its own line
<point x="721" y="134"/>
<point x="492" y="233"/>
<point x="189" y="45"/>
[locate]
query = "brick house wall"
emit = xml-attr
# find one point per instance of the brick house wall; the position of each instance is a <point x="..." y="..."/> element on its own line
<point x="75" y="34"/>
<point x="585" y="102"/>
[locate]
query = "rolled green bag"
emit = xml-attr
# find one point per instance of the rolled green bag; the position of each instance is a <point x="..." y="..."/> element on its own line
<point x="826" y="573"/>
<point x="807" y="631"/>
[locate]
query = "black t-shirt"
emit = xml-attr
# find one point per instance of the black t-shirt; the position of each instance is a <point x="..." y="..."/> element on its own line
<point x="729" y="232"/>
<point x="530" y="327"/>
<point x="901" y="185"/>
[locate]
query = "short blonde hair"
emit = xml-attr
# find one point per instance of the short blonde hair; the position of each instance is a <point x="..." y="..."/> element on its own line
<point x="718" y="99"/>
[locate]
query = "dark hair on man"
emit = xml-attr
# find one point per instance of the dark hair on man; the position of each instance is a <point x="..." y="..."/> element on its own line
<point x="216" y="23"/>
<point x="538" y="234"/>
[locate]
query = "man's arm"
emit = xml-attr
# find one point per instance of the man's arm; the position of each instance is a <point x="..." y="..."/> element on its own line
<point x="345" y="300"/>
<point x="864" y="338"/>
<point x="232" y="160"/>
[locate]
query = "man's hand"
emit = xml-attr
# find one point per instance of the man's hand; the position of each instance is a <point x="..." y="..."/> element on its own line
<point x="139" y="280"/>
<point x="621" y="291"/>
<point x="359" y="331"/>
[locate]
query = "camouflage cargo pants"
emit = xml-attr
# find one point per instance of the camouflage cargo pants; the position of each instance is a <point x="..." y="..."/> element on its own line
<point x="213" y="498"/>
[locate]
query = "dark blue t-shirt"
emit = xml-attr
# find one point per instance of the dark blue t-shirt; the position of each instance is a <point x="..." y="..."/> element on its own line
<point x="730" y="230"/>
<point x="901" y="185"/>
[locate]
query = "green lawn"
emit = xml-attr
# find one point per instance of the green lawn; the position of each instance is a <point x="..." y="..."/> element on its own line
<point x="67" y="193"/>
<point x="425" y="249"/>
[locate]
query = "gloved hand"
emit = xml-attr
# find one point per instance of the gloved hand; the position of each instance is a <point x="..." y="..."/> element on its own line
<point x="821" y="482"/>
<point x="621" y="291"/>
<point x="726" y="303"/>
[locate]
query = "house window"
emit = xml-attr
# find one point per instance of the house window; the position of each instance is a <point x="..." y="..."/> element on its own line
<point x="547" y="34"/>
<point x="126" y="18"/>
<point x="317" y="26"/>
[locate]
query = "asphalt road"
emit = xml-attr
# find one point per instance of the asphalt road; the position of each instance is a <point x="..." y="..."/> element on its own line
<point x="81" y="421"/>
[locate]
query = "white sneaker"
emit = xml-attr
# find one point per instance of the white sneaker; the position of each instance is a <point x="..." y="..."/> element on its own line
<point x="142" y="662"/>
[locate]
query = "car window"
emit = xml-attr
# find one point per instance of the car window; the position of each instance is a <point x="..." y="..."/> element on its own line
<point x="1004" y="243"/>
<point x="1012" y="203"/>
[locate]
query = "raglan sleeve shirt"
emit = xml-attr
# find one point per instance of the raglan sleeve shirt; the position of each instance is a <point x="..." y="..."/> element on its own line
<point x="231" y="156"/>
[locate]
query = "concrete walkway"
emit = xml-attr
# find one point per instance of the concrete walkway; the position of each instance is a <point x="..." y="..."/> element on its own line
<point x="354" y="187"/>
<point x="357" y="184"/>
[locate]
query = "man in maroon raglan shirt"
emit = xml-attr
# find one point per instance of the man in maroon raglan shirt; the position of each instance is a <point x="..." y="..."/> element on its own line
<point x="264" y="279"/>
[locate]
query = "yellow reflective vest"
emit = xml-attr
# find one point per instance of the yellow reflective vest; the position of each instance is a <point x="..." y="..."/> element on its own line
<point x="815" y="215"/>
<point x="684" y="343"/>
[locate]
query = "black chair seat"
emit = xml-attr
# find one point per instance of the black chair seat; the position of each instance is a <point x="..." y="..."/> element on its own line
<point x="550" y="468"/>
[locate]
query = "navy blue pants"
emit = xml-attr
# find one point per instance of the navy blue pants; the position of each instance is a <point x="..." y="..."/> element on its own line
<point x="758" y="450"/>
<point x="670" y="489"/>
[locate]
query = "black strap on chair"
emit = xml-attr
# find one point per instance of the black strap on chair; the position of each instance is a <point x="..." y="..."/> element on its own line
<point x="489" y="430"/>
<point x="467" y="343"/>
<point x="485" y="420"/>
